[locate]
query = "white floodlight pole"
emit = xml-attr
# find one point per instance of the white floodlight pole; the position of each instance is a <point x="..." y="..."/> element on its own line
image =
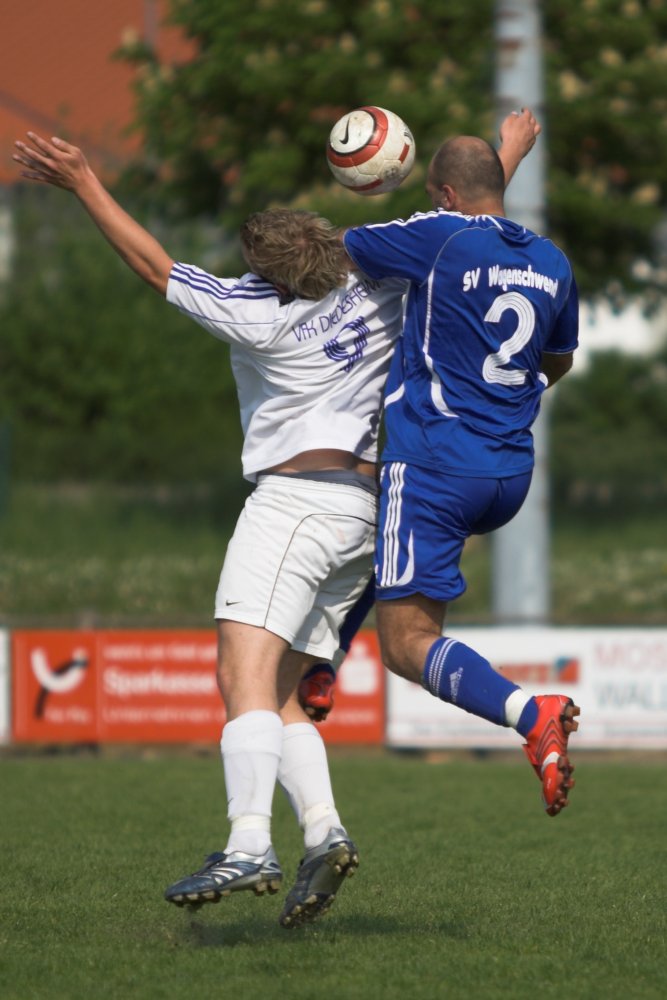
<point x="521" y="585"/>
<point x="6" y="237"/>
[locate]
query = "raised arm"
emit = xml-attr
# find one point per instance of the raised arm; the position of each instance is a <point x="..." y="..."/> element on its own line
<point x="518" y="133"/>
<point x="58" y="163"/>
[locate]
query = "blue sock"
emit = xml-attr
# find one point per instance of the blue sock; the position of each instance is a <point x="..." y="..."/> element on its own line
<point x="356" y="616"/>
<point x="457" y="674"/>
<point x="527" y="719"/>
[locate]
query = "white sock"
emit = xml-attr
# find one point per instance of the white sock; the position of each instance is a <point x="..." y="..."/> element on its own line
<point x="251" y="746"/>
<point x="304" y="775"/>
<point x="514" y="706"/>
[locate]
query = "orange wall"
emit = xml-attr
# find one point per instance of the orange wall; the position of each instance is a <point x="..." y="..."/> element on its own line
<point x="57" y="74"/>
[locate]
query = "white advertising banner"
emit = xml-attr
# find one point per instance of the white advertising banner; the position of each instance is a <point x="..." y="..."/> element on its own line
<point x="617" y="676"/>
<point x="5" y="692"/>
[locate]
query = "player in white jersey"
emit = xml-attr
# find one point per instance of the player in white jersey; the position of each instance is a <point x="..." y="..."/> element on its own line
<point x="309" y="374"/>
<point x="310" y="346"/>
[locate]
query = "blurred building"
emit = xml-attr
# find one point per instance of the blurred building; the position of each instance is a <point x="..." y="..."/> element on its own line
<point x="58" y="74"/>
<point x="631" y="331"/>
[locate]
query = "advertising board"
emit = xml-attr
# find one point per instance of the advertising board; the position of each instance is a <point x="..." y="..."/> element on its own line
<point x="157" y="687"/>
<point x="5" y="714"/>
<point x="617" y="676"/>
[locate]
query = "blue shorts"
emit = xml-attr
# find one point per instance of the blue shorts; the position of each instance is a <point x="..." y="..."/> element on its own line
<point x="425" y="519"/>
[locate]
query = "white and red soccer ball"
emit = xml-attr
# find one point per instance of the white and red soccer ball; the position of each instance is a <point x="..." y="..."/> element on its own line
<point x="370" y="150"/>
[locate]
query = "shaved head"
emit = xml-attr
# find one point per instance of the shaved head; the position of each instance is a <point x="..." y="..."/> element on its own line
<point x="469" y="165"/>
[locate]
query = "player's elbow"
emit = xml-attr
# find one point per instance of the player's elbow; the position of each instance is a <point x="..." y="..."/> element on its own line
<point x="555" y="366"/>
<point x="159" y="281"/>
<point x="155" y="274"/>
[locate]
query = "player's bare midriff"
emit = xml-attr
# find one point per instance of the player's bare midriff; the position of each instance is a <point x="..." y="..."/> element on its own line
<point x="325" y="460"/>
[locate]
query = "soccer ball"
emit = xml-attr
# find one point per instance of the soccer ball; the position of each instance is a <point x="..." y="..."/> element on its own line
<point x="370" y="150"/>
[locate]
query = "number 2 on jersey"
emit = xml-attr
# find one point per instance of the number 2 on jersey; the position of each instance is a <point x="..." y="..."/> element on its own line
<point x="492" y="369"/>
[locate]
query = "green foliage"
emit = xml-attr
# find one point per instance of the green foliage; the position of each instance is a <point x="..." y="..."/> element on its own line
<point x="606" y="86"/>
<point x="101" y="378"/>
<point x="244" y="124"/>
<point x="609" y="435"/>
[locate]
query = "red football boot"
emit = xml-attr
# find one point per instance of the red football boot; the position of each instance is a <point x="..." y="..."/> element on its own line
<point x="316" y="691"/>
<point x="546" y="748"/>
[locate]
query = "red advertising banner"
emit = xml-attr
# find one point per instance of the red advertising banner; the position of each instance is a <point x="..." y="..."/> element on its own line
<point x="54" y="687"/>
<point x="157" y="687"/>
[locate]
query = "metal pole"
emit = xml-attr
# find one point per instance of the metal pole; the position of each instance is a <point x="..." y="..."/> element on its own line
<point x="521" y="587"/>
<point x="6" y="237"/>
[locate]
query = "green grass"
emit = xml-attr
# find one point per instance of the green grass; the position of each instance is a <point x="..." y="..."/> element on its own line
<point x="466" y="888"/>
<point x="86" y="556"/>
<point x="107" y="557"/>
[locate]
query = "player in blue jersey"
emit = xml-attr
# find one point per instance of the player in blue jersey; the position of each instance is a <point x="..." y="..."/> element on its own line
<point x="491" y="321"/>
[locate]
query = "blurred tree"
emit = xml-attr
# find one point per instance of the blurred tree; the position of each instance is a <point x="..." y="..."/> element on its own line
<point x="101" y="378"/>
<point x="244" y="124"/>
<point x="607" y="123"/>
<point x="609" y="435"/>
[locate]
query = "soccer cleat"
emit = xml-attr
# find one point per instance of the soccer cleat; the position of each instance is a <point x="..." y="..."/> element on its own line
<point x="546" y="748"/>
<point x="316" y="691"/>
<point x="319" y="877"/>
<point x="224" y="874"/>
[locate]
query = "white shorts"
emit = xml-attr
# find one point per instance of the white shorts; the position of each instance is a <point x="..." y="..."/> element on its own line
<point x="300" y="556"/>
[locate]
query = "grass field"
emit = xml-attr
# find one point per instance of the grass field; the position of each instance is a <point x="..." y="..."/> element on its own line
<point x="466" y="888"/>
<point x="89" y="556"/>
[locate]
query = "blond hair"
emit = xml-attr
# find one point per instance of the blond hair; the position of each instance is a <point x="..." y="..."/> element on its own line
<point x="296" y="250"/>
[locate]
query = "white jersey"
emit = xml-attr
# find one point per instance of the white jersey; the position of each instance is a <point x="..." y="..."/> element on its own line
<point x="308" y="374"/>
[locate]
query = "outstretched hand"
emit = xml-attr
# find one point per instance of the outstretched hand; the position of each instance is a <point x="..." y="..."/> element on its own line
<point x="51" y="161"/>
<point x="520" y="129"/>
<point x="54" y="161"/>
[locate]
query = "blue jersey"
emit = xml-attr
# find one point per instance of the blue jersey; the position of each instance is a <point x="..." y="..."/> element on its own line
<point x="486" y="298"/>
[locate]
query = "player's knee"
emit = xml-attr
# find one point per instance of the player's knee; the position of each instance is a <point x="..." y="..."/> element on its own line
<point x="395" y="654"/>
<point x="394" y="645"/>
<point x="404" y="650"/>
